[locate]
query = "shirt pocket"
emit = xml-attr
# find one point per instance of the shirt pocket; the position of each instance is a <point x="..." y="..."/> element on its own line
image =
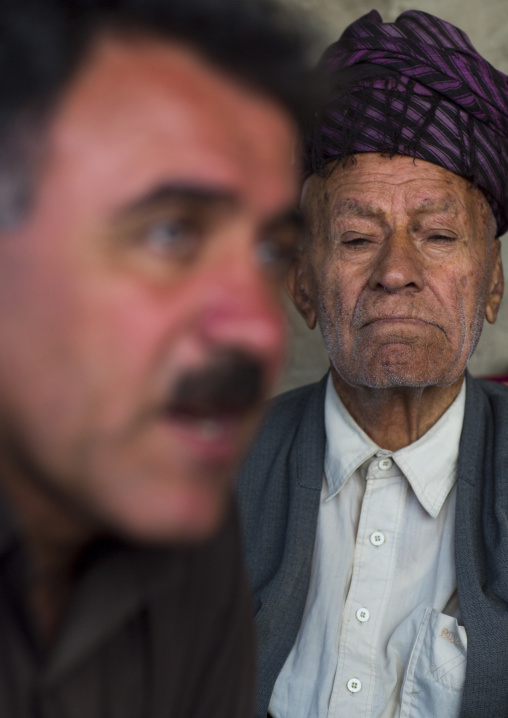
<point x="437" y="669"/>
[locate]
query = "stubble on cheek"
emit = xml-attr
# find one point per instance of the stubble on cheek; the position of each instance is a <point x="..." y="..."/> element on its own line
<point x="331" y="320"/>
<point x="479" y="291"/>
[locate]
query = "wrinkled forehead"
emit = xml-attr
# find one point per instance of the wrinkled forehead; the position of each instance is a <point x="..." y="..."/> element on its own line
<point x="377" y="187"/>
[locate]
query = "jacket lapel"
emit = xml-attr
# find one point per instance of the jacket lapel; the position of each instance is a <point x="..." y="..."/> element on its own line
<point x="482" y="548"/>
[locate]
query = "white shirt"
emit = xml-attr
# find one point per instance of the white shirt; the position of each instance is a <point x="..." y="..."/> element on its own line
<point x="380" y="635"/>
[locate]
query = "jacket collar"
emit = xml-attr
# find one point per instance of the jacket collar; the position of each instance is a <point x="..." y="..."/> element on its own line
<point x="311" y="440"/>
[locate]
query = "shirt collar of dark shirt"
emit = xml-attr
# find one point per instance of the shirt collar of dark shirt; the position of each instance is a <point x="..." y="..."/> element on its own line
<point x="116" y="579"/>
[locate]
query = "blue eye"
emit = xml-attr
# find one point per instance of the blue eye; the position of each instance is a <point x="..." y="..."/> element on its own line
<point x="268" y="253"/>
<point x="274" y="256"/>
<point x="170" y="237"/>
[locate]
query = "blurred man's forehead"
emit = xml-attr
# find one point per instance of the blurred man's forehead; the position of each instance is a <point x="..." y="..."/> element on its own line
<point x="140" y="108"/>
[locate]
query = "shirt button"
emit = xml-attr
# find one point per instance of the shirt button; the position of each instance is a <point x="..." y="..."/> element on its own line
<point x="377" y="538"/>
<point x="363" y="615"/>
<point x="385" y="464"/>
<point x="354" y="685"/>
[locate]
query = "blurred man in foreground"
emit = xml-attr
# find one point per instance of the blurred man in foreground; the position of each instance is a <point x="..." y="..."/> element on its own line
<point x="376" y="502"/>
<point x="147" y="186"/>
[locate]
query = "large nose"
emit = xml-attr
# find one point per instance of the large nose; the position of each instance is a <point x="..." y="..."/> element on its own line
<point x="398" y="265"/>
<point x="242" y="307"/>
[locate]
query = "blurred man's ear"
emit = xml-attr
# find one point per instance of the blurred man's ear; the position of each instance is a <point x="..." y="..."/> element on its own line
<point x="298" y="287"/>
<point x="496" y="285"/>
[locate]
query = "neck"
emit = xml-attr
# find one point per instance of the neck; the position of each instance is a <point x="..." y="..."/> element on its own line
<point x="55" y="538"/>
<point x="397" y="416"/>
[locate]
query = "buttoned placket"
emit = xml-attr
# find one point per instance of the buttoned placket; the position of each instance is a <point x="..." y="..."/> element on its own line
<point x="374" y="563"/>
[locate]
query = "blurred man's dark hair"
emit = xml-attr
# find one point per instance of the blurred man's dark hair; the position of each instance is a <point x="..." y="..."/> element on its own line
<point x="44" y="42"/>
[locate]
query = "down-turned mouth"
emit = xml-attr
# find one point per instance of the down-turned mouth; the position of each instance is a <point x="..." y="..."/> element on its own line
<point x="399" y="320"/>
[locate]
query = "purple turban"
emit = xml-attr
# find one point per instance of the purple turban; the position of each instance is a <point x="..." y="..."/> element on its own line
<point x="415" y="87"/>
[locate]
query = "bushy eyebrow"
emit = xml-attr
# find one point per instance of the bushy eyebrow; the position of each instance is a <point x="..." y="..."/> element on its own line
<point x="167" y="193"/>
<point x="291" y="219"/>
<point x="205" y="198"/>
<point x="442" y="205"/>
<point x="353" y="208"/>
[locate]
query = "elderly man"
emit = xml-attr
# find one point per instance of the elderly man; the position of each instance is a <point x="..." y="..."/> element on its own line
<point x="146" y="211"/>
<point x="376" y="502"/>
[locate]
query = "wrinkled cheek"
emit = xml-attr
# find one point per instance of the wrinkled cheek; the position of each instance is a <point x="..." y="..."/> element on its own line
<point x="472" y="299"/>
<point x="465" y="323"/>
<point x="331" y="314"/>
<point x="476" y="327"/>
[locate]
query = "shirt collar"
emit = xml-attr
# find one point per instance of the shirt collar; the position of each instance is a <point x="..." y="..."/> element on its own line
<point x="347" y="445"/>
<point x="429" y="464"/>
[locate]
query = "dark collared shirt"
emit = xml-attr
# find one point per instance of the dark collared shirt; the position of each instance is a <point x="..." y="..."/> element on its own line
<point x="148" y="634"/>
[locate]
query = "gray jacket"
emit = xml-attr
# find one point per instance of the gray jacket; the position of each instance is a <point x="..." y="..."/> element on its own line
<point x="279" y="492"/>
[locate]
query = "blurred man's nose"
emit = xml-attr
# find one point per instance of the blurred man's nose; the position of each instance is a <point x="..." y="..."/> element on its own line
<point x="242" y="307"/>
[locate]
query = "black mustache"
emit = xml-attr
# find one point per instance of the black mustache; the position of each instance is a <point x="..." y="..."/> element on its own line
<point x="230" y="383"/>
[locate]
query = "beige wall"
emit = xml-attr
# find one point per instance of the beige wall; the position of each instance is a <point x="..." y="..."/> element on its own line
<point x="486" y="23"/>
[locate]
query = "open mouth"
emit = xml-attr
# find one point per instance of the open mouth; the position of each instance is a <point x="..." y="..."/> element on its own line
<point x="213" y="431"/>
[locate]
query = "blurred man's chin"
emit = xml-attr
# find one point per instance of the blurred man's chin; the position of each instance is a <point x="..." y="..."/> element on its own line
<point x="186" y="514"/>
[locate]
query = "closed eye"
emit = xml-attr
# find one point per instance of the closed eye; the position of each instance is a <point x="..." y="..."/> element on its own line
<point x="356" y="241"/>
<point x="442" y="238"/>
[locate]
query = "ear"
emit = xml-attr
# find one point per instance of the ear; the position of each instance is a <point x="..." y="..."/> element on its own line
<point x="298" y="288"/>
<point x="496" y="286"/>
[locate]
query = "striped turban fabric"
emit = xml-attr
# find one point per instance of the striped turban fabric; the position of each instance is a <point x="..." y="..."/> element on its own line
<point x="415" y="87"/>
